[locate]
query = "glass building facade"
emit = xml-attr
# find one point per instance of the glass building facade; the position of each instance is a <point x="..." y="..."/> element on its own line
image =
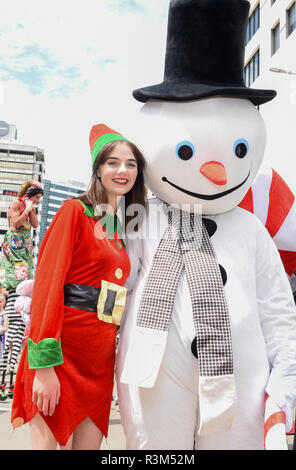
<point x="54" y="195"/>
<point x="275" y="38"/>
<point x="291" y="19"/>
<point x="254" y="23"/>
<point x="252" y="69"/>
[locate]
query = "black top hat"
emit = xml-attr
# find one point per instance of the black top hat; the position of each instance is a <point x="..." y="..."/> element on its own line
<point x="205" y="53"/>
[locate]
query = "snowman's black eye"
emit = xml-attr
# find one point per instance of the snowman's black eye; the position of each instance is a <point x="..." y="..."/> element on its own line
<point x="241" y="148"/>
<point x="185" y="150"/>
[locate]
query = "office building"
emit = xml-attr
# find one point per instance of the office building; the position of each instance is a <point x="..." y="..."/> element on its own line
<point x="270" y="62"/>
<point x="54" y="194"/>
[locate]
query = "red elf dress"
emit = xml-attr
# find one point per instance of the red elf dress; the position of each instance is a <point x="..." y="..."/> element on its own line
<point x="77" y="302"/>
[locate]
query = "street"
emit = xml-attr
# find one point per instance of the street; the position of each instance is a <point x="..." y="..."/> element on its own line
<point x="19" y="439"/>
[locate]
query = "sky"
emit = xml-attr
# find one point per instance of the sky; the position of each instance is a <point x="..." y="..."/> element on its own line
<point x="67" y="65"/>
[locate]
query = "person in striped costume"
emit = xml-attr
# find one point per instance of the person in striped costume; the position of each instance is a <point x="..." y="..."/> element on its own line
<point x="13" y="343"/>
<point x="3" y="323"/>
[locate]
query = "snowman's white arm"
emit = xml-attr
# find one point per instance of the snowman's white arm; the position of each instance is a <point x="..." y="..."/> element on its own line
<point x="278" y="321"/>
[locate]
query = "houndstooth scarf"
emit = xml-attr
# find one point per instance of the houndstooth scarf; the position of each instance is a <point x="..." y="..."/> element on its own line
<point x="186" y="245"/>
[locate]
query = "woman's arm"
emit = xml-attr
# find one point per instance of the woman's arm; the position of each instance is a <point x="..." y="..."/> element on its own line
<point x="33" y="218"/>
<point x="46" y="390"/>
<point x="16" y="220"/>
<point x="47" y="307"/>
<point x="5" y="327"/>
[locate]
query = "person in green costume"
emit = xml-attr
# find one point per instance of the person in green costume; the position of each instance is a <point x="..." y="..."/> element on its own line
<point x="17" y="260"/>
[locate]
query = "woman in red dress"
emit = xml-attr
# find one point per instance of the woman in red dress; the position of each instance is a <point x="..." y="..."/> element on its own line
<point x="65" y="377"/>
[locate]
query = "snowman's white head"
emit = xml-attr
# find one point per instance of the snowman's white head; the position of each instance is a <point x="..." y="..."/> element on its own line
<point x="203" y="154"/>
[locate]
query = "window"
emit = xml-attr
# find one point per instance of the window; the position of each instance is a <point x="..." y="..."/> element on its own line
<point x="275" y="38"/>
<point x="272" y="2"/>
<point x="291" y="19"/>
<point x="15" y="177"/>
<point x="252" y="69"/>
<point x="10" y="186"/>
<point x="40" y="157"/>
<point x="6" y="198"/>
<point x="16" y="156"/>
<point x="23" y="153"/>
<point x="254" y="23"/>
<point x="36" y="167"/>
<point x="68" y="189"/>
<point x="25" y="167"/>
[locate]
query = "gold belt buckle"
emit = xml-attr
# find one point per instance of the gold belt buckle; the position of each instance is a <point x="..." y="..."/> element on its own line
<point x="119" y="303"/>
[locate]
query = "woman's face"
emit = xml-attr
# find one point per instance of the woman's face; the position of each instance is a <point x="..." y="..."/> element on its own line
<point x="36" y="198"/>
<point x="119" y="172"/>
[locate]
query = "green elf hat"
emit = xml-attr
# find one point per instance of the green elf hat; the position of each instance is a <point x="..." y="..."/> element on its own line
<point x="99" y="136"/>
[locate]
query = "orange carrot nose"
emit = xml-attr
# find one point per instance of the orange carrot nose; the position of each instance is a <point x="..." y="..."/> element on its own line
<point x="215" y="172"/>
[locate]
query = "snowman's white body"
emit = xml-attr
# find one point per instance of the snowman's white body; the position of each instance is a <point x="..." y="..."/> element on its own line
<point x="157" y="375"/>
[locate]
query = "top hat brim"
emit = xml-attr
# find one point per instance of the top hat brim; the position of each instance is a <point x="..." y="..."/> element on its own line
<point x="173" y="91"/>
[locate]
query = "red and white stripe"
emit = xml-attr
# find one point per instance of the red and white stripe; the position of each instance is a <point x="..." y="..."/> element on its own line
<point x="274" y="427"/>
<point x="271" y="199"/>
<point x="26" y="335"/>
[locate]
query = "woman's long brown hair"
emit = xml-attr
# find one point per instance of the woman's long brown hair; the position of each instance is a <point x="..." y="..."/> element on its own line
<point x="96" y="194"/>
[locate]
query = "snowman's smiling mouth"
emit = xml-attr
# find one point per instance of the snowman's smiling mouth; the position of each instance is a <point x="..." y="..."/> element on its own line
<point x="208" y="197"/>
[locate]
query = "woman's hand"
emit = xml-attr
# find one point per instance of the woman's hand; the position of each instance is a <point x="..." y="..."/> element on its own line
<point x="46" y="390"/>
<point x="29" y="205"/>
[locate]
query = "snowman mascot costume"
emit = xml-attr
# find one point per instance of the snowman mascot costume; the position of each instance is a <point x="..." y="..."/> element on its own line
<point x="210" y="325"/>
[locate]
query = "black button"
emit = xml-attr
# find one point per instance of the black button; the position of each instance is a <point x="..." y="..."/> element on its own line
<point x="210" y="226"/>
<point x="194" y="348"/>
<point x="223" y="274"/>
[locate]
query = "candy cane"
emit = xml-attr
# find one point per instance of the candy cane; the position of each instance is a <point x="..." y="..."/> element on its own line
<point x="274" y="427"/>
<point x="273" y="202"/>
<point x="26" y="335"/>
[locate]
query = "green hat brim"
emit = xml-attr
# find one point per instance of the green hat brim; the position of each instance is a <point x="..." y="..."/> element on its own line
<point x="102" y="141"/>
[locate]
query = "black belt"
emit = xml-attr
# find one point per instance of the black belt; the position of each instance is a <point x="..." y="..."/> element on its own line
<point x="86" y="298"/>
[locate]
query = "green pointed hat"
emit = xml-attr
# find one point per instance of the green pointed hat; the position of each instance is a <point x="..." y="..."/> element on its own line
<point x="101" y="135"/>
